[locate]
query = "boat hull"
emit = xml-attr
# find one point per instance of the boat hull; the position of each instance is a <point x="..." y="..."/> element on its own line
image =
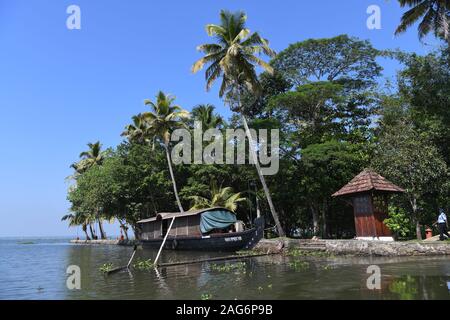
<point x="219" y="242"/>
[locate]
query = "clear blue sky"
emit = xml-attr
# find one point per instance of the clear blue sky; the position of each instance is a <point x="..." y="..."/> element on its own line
<point x="60" y="88"/>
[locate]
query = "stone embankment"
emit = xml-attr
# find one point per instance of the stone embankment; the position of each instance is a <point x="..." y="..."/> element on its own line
<point x="359" y="247"/>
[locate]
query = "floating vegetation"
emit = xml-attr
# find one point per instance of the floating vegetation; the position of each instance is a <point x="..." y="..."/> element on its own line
<point x="206" y="296"/>
<point x="106" y="267"/>
<point x="229" y="267"/>
<point x="144" y="264"/>
<point x="299" y="265"/>
<point x="295" y="252"/>
<point x="328" y="267"/>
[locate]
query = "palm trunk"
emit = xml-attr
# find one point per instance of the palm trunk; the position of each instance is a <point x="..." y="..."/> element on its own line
<point x="261" y="177"/>
<point x="100" y="227"/>
<point x="91" y="229"/>
<point x="85" y="231"/>
<point x="175" y="190"/>
<point x="174" y="183"/>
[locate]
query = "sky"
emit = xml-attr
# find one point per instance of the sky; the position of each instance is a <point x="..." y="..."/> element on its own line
<point x="61" y="88"/>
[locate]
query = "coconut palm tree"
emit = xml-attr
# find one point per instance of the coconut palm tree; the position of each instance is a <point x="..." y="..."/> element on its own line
<point x="161" y="121"/>
<point x="77" y="219"/>
<point x="434" y="16"/>
<point x="137" y="132"/>
<point x="219" y="197"/>
<point x="233" y="58"/>
<point x="205" y="114"/>
<point x="93" y="156"/>
<point x="89" y="158"/>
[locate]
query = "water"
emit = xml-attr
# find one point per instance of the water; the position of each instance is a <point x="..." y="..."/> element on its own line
<point x="36" y="269"/>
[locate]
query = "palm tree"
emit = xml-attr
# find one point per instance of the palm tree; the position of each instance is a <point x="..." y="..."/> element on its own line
<point x="219" y="197"/>
<point x="77" y="220"/>
<point x="161" y="121"/>
<point x="137" y="132"/>
<point x="89" y="158"/>
<point x="435" y="16"/>
<point x="205" y="114"/>
<point x="233" y="58"/>
<point x="93" y="156"/>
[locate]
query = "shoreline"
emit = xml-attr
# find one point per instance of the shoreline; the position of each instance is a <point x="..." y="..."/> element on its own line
<point x="336" y="247"/>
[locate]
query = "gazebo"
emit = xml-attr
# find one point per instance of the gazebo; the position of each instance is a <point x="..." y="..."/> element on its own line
<point x="368" y="193"/>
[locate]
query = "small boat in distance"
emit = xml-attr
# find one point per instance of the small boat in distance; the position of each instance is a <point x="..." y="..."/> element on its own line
<point x="213" y="229"/>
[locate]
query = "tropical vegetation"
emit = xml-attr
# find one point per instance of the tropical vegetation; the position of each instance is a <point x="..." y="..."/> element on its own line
<point x="336" y="117"/>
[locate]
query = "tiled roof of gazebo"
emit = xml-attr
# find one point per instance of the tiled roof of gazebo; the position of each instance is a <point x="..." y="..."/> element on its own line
<point x="366" y="181"/>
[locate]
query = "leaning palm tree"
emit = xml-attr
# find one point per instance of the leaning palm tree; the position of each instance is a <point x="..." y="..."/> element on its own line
<point x="434" y="16"/>
<point x="75" y="220"/>
<point x="161" y="121"/>
<point x="233" y="58"/>
<point x="205" y="114"/>
<point x="218" y="197"/>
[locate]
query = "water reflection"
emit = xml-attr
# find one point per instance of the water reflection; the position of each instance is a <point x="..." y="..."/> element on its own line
<point x="270" y="277"/>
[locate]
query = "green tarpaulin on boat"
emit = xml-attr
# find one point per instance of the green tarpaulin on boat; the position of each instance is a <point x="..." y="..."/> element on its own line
<point x="216" y="219"/>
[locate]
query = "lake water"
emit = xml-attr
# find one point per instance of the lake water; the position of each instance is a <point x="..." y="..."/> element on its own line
<point x="36" y="269"/>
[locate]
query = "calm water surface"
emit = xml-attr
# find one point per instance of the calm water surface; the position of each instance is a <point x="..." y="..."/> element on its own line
<point x="36" y="269"/>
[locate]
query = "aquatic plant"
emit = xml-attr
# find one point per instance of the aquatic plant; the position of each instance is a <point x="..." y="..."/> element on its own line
<point x="144" y="264"/>
<point x="295" y="252"/>
<point x="206" y="296"/>
<point x="106" y="267"/>
<point x="299" y="265"/>
<point x="229" y="267"/>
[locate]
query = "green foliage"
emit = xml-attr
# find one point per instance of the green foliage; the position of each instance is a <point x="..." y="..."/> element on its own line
<point x="206" y="296"/>
<point x="321" y="94"/>
<point x="106" y="267"/>
<point x="299" y="265"/>
<point x="434" y="15"/>
<point x="238" y="267"/>
<point x="144" y="264"/>
<point x="398" y="222"/>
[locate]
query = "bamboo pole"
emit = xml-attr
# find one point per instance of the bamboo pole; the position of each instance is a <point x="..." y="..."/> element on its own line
<point x="164" y="242"/>
<point x="226" y="258"/>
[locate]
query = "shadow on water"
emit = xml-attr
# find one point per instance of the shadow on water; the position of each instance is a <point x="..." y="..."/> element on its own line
<point x="38" y="271"/>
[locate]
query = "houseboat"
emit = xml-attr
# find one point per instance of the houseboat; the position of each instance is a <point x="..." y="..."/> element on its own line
<point x="214" y="229"/>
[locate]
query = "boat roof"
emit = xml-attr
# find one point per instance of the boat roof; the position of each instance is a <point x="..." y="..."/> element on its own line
<point x="168" y="215"/>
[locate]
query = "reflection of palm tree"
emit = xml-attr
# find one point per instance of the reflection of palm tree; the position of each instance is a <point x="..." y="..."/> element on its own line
<point x="233" y="58"/>
<point x="434" y="15"/>
<point x="219" y="197"/>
